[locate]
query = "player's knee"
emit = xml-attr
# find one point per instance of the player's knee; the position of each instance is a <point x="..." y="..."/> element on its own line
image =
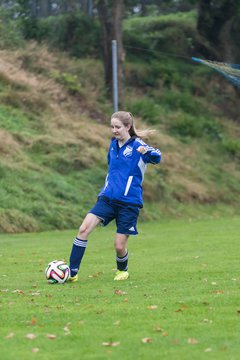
<point x="119" y="247"/>
<point x="83" y="231"/>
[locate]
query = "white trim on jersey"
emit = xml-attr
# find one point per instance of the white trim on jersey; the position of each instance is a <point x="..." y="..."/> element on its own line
<point x="143" y="167"/>
<point x="130" y="178"/>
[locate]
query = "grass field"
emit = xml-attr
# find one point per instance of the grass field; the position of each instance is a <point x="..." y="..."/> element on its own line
<point x="181" y="301"/>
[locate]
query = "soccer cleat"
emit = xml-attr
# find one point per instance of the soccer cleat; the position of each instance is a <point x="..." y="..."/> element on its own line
<point x="73" y="278"/>
<point x="121" y="275"/>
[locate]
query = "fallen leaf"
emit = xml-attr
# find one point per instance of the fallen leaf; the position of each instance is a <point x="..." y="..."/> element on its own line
<point x="165" y="333"/>
<point x="192" y="341"/>
<point x="10" y="335"/>
<point x="21" y="292"/>
<point x="157" y="328"/>
<point x="146" y="340"/>
<point x="117" y="322"/>
<point x="51" y="336"/>
<point x="67" y="325"/>
<point x="152" y="307"/>
<point x="66" y="328"/>
<point x="224" y="348"/>
<point x="207" y="321"/>
<point x="96" y="275"/>
<point x="120" y="292"/>
<point x="33" y="321"/>
<point x="35" y="350"/>
<point x="208" y="350"/>
<point x="183" y="307"/>
<point x="31" y="336"/>
<point x="218" y="291"/>
<point x="111" y="343"/>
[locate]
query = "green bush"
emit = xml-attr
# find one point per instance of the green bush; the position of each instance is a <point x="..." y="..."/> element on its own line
<point x="150" y="36"/>
<point x="146" y="108"/>
<point x="75" y="33"/>
<point x="232" y="146"/>
<point x="195" y="126"/>
<point x="70" y="81"/>
<point x="139" y="75"/>
<point x="183" y="101"/>
<point x="10" y="30"/>
<point x="157" y="73"/>
<point x="168" y="74"/>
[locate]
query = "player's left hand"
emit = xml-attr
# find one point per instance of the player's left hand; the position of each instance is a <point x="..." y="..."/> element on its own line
<point x="142" y="149"/>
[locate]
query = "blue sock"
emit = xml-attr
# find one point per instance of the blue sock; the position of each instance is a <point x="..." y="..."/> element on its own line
<point x="122" y="262"/>
<point x="78" y="250"/>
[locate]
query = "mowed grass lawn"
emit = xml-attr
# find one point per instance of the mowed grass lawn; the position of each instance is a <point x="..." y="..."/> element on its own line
<point x="182" y="300"/>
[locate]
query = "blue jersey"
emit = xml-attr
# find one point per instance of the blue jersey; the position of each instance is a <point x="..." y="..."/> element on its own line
<point x="126" y="168"/>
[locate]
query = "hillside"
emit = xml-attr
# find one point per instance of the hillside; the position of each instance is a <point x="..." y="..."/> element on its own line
<point x="54" y="134"/>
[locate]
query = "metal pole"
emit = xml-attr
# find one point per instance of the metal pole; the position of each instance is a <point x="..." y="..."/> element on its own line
<point x="115" y="75"/>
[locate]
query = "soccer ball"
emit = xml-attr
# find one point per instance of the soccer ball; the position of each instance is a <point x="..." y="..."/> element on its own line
<point x="57" y="272"/>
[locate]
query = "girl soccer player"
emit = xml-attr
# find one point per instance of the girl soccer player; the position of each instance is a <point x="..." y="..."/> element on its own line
<point x="121" y="195"/>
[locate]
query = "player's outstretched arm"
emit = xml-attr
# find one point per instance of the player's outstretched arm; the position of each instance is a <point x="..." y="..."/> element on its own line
<point x="150" y="155"/>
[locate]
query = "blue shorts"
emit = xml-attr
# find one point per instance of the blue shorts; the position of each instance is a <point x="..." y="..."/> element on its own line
<point x="125" y="215"/>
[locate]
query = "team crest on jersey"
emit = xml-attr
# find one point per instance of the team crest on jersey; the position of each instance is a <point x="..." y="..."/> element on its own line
<point x="128" y="151"/>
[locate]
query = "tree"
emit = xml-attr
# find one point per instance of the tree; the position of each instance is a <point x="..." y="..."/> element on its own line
<point x="218" y="22"/>
<point x="110" y="15"/>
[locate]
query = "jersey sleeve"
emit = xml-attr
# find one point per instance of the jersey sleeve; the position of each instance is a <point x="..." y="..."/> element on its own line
<point x="152" y="156"/>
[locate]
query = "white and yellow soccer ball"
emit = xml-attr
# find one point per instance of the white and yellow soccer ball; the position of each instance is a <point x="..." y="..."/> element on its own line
<point x="57" y="272"/>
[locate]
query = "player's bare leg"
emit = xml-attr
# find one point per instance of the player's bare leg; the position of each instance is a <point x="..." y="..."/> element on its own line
<point x="121" y="256"/>
<point x="80" y="243"/>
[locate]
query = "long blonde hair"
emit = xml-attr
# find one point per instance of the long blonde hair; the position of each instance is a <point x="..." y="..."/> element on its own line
<point x="127" y="119"/>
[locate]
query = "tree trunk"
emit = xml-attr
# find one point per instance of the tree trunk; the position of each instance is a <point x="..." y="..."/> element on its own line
<point x="44" y="8"/>
<point x="33" y="8"/>
<point x="111" y="24"/>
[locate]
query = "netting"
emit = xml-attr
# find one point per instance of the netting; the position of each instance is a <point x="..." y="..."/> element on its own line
<point x="230" y="71"/>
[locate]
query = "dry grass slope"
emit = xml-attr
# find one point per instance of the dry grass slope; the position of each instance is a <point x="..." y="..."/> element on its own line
<point x="57" y="124"/>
